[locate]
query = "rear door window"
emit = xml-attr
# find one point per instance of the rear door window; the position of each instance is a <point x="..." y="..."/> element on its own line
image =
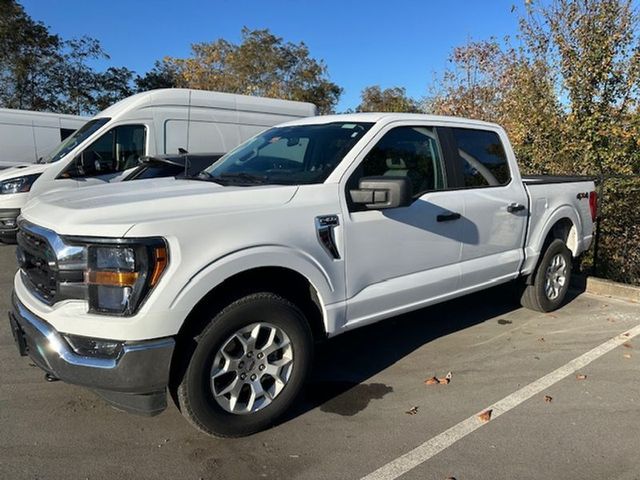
<point x="482" y="156"/>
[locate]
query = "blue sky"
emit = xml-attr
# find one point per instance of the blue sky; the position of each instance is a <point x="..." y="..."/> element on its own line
<point x="390" y="43"/>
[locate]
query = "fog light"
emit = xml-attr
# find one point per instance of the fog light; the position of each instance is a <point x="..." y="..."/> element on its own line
<point x="94" y="347"/>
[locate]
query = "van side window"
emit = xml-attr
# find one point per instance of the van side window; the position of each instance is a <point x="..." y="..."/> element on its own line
<point x="65" y="133"/>
<point x="412" y="152"/>
<point x="118" y="149"/>
<point x="483" y="159"/>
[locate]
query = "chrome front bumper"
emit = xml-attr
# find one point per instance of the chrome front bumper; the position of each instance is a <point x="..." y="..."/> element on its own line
<point x="135" y="379"/>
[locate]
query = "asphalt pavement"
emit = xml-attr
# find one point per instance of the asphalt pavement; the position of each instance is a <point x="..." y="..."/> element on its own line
<point x="367" y="406"/>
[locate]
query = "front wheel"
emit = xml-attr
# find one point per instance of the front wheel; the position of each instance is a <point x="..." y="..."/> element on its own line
<point x="551" y="280"/>
<point x="249" y="364"/>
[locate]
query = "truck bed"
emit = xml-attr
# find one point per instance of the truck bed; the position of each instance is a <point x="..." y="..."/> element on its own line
<point x="551" y="199"/>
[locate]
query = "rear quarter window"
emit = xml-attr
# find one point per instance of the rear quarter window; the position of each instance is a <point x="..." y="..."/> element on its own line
<point x="482" y="156"/>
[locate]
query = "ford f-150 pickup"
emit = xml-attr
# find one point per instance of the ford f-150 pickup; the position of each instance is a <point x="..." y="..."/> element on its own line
<point x="215" y="287"/>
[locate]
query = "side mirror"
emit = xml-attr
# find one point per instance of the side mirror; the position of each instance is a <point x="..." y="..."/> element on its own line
<point x="377" y="193"/>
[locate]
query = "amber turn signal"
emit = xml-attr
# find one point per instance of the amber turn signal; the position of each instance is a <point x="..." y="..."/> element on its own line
<point x="113" y="279"/>
<point x="161" y="261"/>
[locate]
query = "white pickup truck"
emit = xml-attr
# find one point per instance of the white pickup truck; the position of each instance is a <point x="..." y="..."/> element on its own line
<point x="215" y="287"/>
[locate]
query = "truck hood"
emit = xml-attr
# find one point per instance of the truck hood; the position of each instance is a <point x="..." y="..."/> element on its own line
<point x="22" y="170"/>
<point x="113" y="209"/>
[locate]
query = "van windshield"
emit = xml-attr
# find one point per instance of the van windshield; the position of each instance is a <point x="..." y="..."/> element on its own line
<point x="293" y="155"/>
<point x="75" y="139"/>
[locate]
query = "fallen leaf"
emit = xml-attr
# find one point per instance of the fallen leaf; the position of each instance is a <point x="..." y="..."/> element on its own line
<point x="627" y="345"/>
<point x="541" y="339"/>
<point x="627" y="355"/>
<point x="626" y="334"/>
<point x="485" y="416"/>
<point x="580" y="376"/>
<point x="432" y="381"/>
<point x="548" y="399"/>
<point x="412" y="411"/>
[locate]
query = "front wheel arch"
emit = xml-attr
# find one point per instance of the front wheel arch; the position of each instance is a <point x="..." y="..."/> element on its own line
<point x="194" y="394"/>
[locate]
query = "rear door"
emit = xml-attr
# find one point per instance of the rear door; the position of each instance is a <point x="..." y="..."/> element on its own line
<point x="495" y="206"/>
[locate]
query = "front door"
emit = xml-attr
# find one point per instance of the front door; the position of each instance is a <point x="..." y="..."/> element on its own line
<point x="401" y="258"/>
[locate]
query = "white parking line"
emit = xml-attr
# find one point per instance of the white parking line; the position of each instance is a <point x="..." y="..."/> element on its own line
<point x="432" y="447"/>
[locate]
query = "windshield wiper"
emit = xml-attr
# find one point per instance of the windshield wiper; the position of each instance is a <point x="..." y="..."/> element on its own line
<point x="242" y="177"/>
<point x="226" y="178"/>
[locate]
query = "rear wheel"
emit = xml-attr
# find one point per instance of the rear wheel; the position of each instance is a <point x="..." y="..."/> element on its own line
<point x="248" y="366"/>
<point x="551" y="280"/>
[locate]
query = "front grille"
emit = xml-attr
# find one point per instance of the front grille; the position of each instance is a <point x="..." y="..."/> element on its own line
<point x="38" y="265"/>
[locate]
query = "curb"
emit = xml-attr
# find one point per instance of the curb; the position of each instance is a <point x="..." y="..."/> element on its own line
<point x="608" y="288"/>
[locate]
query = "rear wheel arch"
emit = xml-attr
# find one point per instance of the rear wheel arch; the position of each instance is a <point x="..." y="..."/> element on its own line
<point x="565" y="230"/>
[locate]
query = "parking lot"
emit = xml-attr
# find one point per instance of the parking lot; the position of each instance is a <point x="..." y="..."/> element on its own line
<point x="553" y="416"/>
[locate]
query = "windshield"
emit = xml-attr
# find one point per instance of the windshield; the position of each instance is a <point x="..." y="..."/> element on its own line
<point x="300" y="154"/>
<point x="75" y="139"/>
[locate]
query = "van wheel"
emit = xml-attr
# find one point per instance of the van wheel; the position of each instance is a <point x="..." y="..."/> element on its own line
<point x="551" y="281"/>
<point x="249" y="365"/>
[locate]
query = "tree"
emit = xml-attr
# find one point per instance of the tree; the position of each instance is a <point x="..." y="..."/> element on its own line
<point x="78" y="82"/>
<point x="41" y="71"/>
<point x="395" y="99"/>
<point x="113" y="85"/>
<point x="162" y="75"/>
<point x="474" y="85"/>
<point x="568" y="92"/>
<point x="595" y="50"/>
<point x="262" y="64"/>
<point x="29" y="55"/>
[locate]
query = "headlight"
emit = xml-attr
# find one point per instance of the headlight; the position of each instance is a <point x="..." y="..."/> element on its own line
<point x="18" y="184"/>
<point x="119" y="277"/>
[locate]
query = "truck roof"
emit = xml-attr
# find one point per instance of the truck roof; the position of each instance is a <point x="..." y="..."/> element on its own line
<point x="387" y="117"/>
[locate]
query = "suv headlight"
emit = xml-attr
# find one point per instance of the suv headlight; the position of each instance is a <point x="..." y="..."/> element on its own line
<point x="120" y="276"/>
<point x="18" y="184"/>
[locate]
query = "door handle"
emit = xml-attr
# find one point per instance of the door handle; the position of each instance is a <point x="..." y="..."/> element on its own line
<point x="515" y="207"/>
<point x="447" y="217"/>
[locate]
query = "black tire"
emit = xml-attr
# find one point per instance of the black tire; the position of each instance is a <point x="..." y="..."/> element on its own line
<point x="534" y="296"/>
<point x="194" y="395"/>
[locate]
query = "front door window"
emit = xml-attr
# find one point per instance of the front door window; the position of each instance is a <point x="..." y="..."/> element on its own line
<point x="117" y="150"/>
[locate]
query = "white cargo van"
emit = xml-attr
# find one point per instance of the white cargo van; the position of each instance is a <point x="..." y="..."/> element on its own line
<point x="26" y="136"/>
<point x="166" y="121"/>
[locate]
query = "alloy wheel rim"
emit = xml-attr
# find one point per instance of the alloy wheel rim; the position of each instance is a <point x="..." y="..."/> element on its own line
<point x="556" y="277"/>
<point x="251" y="368"/>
